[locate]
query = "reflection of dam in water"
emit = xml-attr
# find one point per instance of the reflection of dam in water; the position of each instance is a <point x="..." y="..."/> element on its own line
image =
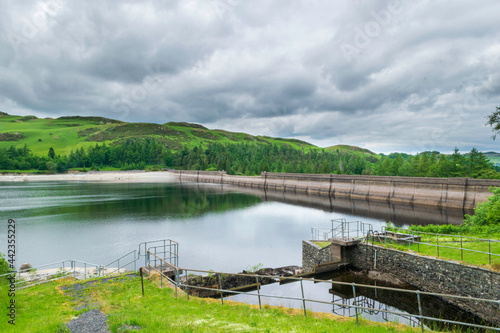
<point x="396" y="213"/>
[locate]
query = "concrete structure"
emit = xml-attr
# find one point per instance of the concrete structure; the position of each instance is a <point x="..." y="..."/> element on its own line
<point x="426" y="273"/>
<point x="460" y="193"/>
<point x="434" y="275"/>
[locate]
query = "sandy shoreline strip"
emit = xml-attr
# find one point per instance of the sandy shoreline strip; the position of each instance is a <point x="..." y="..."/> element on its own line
<point x="96" y="176"/>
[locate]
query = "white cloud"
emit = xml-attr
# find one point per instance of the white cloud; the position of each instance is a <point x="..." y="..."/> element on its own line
<point x="423" y="74"/>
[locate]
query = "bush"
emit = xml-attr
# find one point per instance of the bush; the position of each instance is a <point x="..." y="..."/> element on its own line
<point x="486" y="213"/>
<point x="4" y="265"/>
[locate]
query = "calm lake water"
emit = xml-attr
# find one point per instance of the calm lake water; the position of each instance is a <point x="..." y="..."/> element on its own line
<point x="219" y="228"/>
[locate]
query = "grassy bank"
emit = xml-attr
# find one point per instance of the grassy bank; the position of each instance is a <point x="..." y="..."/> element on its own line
<point x="464" y="248"/>
<point x="48" y="307"/>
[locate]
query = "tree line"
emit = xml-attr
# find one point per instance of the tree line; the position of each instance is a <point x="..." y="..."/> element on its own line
<point x="250" y="159"/>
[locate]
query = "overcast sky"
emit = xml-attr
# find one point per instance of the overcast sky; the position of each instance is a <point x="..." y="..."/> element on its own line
<point x="389" y="76"/>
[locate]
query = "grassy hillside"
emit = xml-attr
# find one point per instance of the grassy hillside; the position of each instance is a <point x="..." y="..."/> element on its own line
<point x="372" y="157"/>
<point x="48" y="307"/>
<point x="493" y="157"/>
<point x="69" y="133"/>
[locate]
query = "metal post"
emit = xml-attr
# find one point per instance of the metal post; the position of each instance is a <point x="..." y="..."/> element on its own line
<point x="461" y="249"/>
<point x="161" y="273"/>
<point x="176" y="280"/>
<point x="355" y="302"/>
<point x="489" y="250"/>
<point x="220" y="288"/>
<point x="187" y="291"/>
<point x="437" y="243"/>
<point x="303" y="299"/>
<point x="258" y="292"/>
<point x="420" y="310"/>
<point x="142" y="281"/>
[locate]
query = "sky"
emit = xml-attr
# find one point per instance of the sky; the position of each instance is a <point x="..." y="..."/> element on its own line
<point x="389" y="76"/>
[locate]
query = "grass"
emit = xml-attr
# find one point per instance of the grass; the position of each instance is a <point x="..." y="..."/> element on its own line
<point x="322" y="244"/>
<point x="46" y="308"/>
<point x="71" y="133"/>
<point x="450" y="249"/>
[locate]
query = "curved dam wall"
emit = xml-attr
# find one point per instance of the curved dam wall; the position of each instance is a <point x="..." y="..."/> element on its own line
<point x="462" y="193"/>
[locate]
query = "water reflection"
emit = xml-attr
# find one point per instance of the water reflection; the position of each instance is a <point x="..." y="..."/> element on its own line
<point x="397" y="214"/>
<point x="376" y="304"/>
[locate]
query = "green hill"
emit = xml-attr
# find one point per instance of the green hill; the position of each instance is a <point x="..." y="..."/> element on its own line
<point x="69" y="133"/>
<point x="494" y="157"/>
<point x="371" y="156"/>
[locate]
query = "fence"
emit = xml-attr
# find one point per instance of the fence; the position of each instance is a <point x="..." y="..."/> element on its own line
<point x="218" y="289"/>
<point x="449" y="245"/>
<point x="84" y="270"/>
<point x="54" y="271"/>
<point x="343" y="230"/>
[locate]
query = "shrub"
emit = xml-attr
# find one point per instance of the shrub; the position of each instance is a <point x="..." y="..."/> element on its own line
<point x="486" y="213"/>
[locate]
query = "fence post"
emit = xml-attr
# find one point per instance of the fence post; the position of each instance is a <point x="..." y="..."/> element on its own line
<point x="258" y="292"/>
<point x="220" y="288"/>
<point x="161" y="273"/>
<point x="142" y="280"/>
<point x="355" y="302"/>
<point x="420" y="310"/>
<point x="187" y="283"/>
<point x="303" y="299"/>
<point x="437" y="243"/>
<point x="418" y="243"/>
<point x="461" y="249"/>
<point x="176" y="279"/>
<point x="489" y="250"/>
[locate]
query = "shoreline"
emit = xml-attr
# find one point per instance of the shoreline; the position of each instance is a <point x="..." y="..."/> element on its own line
<point x="134" y="176"/>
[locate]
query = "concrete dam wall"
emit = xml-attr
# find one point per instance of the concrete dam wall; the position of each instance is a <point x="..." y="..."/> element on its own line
<point x="462" y="193"/>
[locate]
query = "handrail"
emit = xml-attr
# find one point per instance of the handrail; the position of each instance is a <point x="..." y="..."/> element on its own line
<point x="417" y="293"/>
<point x="411" y="240"/>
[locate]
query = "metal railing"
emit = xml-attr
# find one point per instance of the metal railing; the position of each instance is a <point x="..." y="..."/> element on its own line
<point x="144" y="246"/>
<point x="343" y="230"/>
<point x="84" y="270"/>
<point x="54" y="271"/>
<point x="443" y="241"/>
<point x="357" y="305"/>
<point x="125" y="262"/>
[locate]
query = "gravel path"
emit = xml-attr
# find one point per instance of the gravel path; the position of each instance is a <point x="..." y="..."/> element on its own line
<point x="93" y="321"/>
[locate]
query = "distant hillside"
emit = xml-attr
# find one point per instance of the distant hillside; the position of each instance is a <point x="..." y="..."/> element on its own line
<point x="69" y="133"/>
<point x="494" y="157"/>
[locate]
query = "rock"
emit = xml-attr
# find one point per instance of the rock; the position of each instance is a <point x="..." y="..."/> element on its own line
<point x="26" y="266"/>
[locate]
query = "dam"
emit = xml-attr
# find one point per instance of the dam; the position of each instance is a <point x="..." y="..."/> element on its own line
<point x="457" y="193"/>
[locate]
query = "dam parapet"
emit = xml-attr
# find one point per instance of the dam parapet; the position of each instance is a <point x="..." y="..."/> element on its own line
<point x="461" y="193"/>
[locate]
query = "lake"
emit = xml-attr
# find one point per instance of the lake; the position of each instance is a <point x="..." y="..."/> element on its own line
<point x="221" y="228"/>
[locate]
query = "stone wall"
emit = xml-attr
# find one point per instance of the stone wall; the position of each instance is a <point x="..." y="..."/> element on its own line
<point x="434" y="275"/>
<point x="462" y="193"/>
<point x="316" y="259"/>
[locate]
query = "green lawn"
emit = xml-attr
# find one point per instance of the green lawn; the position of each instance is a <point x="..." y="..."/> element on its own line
<point x="453" y="247"/>
<point x="47" y="308"/>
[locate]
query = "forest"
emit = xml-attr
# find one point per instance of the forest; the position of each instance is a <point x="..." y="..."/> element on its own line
<point x="249" y="159"/>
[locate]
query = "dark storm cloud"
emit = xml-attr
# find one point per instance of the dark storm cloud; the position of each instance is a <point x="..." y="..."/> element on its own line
<point x="386" y="75"/>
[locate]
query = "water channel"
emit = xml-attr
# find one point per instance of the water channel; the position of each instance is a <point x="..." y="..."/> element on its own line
<point x="221" y="228"/>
